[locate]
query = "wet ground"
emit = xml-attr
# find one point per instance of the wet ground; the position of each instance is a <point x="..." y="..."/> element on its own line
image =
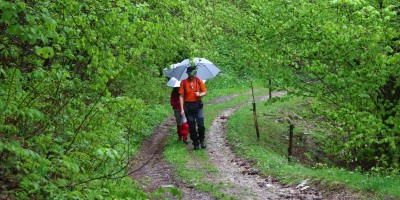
<point x="238" y="178"/>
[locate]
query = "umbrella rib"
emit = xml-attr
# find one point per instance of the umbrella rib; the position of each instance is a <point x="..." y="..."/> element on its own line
<point x="208" y="70"/>
<point x="183" y="73"/>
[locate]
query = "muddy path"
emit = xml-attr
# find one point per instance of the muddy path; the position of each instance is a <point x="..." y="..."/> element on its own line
<point x="239" y="179"/>
<point x="242" y="181"/>
<point x="150" y="169"/>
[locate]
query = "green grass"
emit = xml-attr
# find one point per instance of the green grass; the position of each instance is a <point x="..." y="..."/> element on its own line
<point x="215" y="93"/>
<point x="191" y="166"/>
<point x="271" y="152"/>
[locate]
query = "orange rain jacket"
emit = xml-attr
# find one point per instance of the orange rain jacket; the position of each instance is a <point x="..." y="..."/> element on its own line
<point x="188" y="91"/>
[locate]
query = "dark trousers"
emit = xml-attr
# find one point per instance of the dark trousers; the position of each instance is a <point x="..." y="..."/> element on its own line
<point x="196" y="118"/>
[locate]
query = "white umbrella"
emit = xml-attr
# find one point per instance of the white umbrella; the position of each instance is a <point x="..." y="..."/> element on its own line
<point x="173" y="82"/>
<point x="166" y="70"/>
<point x="206" y="69"/>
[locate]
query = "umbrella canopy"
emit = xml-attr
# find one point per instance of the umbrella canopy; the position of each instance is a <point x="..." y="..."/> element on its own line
<point x="173" y="82"/>
<point x="166" y="70"/>
<point x="206" y="69"/>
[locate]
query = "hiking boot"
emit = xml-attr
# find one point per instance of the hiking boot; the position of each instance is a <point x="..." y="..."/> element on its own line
<point x="203" y="146"/>
<point x="196" y="147"/>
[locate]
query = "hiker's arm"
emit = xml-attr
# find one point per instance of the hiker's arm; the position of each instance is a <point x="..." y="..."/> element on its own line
<point x="181" y="102"/>
<point x="203" y="89"/>
<point x="201" y="94"/>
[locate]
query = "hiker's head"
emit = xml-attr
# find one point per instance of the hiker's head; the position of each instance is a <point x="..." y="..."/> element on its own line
<point x="191" y="71"/>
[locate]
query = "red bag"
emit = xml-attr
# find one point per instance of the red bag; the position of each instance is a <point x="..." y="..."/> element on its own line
<point x="184" y="129"/>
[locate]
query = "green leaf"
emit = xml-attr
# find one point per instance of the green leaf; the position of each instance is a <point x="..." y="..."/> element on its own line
<point x="45" y="52"/>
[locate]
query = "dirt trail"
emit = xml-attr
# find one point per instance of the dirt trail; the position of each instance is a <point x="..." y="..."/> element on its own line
<point x="236" y="173"/>
<point x="152" y="171"/>
<point x="149" y="168"/>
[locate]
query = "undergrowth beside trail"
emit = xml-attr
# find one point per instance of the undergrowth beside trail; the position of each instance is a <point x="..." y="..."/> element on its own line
<point x="271" y="152"/>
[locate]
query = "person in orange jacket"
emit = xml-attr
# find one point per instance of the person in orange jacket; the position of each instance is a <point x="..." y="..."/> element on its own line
<point x="191" y="91"/>
<point x="181" y="122"/>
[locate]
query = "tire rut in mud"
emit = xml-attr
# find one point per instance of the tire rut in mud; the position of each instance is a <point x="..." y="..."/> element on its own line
<point x="241" y="180"/>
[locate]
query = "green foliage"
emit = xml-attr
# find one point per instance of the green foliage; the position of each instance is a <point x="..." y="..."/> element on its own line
<point x="82" y="86"/>
<point x="65" y="131"/>
<point x="81" y="81"/>
<point x="345" y="53"/>
<point x="270" y="151"/>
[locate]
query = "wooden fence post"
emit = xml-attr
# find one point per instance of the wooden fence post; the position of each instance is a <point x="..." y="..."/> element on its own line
<point x="270" y="88"/>
<point x="290" y="148"/>
<point x="255" y="113"/>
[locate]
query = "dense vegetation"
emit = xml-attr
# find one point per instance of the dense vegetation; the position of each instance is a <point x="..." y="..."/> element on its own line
<point x="307" y="161"/>
<point x="81" y="80"/>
